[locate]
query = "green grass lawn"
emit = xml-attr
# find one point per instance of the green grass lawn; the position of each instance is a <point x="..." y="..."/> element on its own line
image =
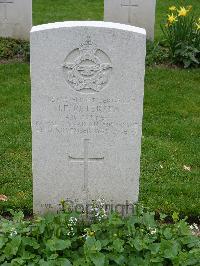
<point x="171" y="123"/>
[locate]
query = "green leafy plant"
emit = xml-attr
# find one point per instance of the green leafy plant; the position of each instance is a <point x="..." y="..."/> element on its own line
<point x="182" y="36"/>
<point x="14" y="49"/>
<point x="156" y="54"/>
<point x="68" y="239"/>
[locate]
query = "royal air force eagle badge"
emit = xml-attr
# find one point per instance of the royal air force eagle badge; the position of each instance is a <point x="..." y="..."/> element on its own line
<point x="87" y="69"/>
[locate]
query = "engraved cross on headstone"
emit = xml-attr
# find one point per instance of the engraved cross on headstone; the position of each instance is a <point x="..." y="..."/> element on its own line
<point x="5" y="2"/>
<point x="86" y="159"/>
<point x="129" y="4"/>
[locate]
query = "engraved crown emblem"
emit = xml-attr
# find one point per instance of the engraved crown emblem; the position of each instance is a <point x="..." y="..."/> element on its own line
<point x="88" y="46"/>
<point x="87" y="69"/>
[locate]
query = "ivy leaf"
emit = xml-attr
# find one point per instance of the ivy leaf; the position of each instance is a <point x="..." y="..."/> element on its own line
<point x="162" y="216"/>
<point x="27" y="255"/>
<point x="137" y="243"/>
<point x="118" y="245"/>
<point x="190" y="241"/>
<point x="30" y="241"/>
<point x="167" y="233"/>
<point x="175" y="216"/>
<point x="98" y="259"/>
<point x="154" y="248"/>
<point x="119" y="259"/>
<point x="136" y="261"/>
<point x="53" y="257"/>
<point x="18" y="261"/>
<point x="92" y="245"/>
<point x="183" y="228"/>
<point x="158" y="261"/>
<point x="149" y="219"/>
<point x="2" y="258"/>
<point x="63" y="262"/>
<point x="12" y="247"/>
<point x="58" y="244"/>
<point x="80" y="262"/>
<point x="169" y="248"/>
<point x="2" y="241"/>
<point x="114" y="219"/>
<point x="17" y="216"/>
<point x="42" y="262"/>
<point x="105" y="242"/>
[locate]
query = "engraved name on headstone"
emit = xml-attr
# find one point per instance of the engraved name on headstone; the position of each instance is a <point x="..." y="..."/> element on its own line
<point x="139" y="13"/>
<point x="87" y="105"/>
<point x="15" y="18"/>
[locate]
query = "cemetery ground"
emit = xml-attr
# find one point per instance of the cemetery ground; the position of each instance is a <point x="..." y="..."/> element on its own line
<point x="170" y="144"/>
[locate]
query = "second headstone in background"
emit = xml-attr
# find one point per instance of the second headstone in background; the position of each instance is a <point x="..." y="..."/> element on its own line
<point x="139" y="13"/>
<point x="15" y="18"/>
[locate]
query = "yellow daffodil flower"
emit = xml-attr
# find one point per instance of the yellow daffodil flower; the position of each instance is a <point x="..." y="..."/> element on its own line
<point x="189" y="8"/>
<point x="198" y="26"/>
<point x="171" y="19"/>
<point x="182" y="12"/>
<point x="91" y="233"/>
<point x="172" y="8"/>
<point x="62" y="201"/>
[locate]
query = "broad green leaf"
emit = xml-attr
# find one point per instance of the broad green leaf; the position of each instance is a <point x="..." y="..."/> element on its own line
<point x="53" y="256"/>
<point x="154" y="248"/>
<point x="167" y="233"/>
<point x="119" y="259"/>
<point x="3" y="241"/>
<point x="136" y="261"/>
<point x="2" y="258"/>
<point x="118" y="245"/>
<point x="42" y="262"/>
<point x="149" y="219"/>
<point x="93" y="245"/>
<point x="17" y="216"/>
<point x="12" y="246"/>
<point x="137" y="243"/>
<point x="30" y="241"/>
<point x="80" y="262"/>
<point x="63" y="262"/>
<point x="58" y="244"/>
<point x="28" y="255"/>
<point x="162" y="216"/>
<point x="17" y="262"/>
<point x="169" y="248"/>
<point x="98" y="259"/>
<point x="175" y="216"/>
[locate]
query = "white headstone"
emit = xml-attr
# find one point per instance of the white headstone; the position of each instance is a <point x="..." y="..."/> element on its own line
<point x="139" y="13"/>
<point x="15" y="18"/>
<point x="87" y="106"/>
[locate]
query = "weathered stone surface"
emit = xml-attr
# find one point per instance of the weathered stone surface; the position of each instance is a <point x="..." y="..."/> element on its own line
<point x="15" y="18"/>
<point x="87" y="105"/>
<point x="139" y="13"/>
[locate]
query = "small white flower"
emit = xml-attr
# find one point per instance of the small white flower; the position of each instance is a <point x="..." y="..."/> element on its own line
<point x="13" y="232"/>
<point x="72" y="221"/>
<point x="187" y="168"/>
<point x="152" y="230"/>
<point x="195" y="226"/>
<point x="191" y="227"/>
